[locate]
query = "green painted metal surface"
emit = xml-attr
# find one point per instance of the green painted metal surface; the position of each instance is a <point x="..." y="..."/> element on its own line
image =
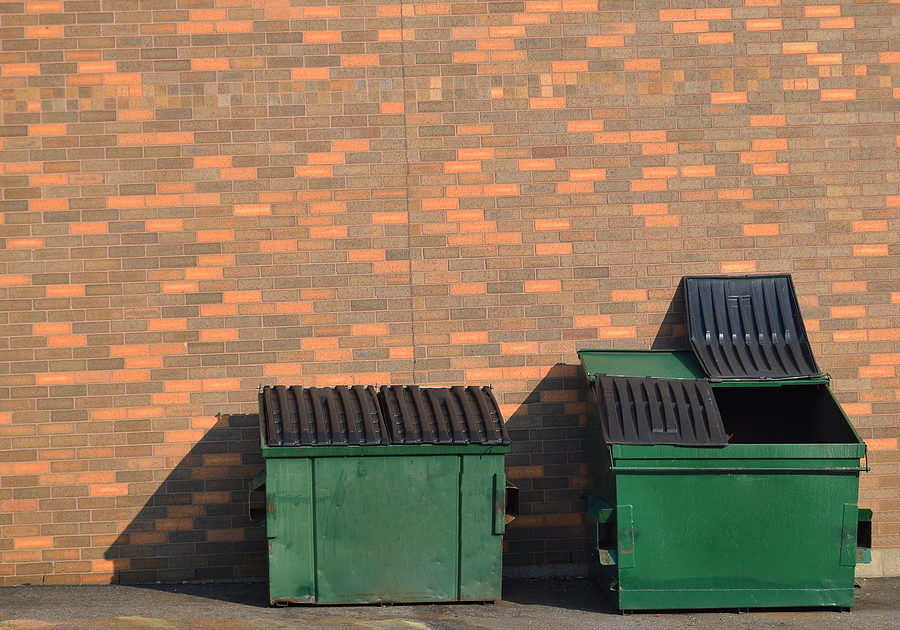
<point x="384" y="528"/>
<point x="656" y="363"/>
<point x="762" y="524"/>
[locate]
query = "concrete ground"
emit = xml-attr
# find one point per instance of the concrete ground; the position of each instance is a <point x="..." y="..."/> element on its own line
<point x="526" y="605"/>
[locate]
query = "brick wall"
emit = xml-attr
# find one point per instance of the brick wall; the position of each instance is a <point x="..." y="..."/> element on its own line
<point x="202" y="196"/>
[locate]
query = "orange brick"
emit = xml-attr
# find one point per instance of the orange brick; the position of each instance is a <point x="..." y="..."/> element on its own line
<point x="252" y="209"/>
<point x="65" y="290"/>
<point x="546" y="164"/>
<point x="239" y="173"/>
<point x="365" y="255"/>
<point x="642" y="64"/>
<point x="848" y="311"/>
<point x="310" y="74"/>
<point x="25" y="243"/>
<point x="708" y="170"/>
<point x="470" y="166"/>
<point x="552" y="249"/>
<point x="881" y="444"/>
<point x="644" y="209"/>
<point x="209" y="64"/>
<point x="43" y="6"/>
<point x="827" y="10"/>
<point x="584" y="125"/>
<point x="877" y="371"/>
<point x="690" y="27"/>
<point x="771" y="169"/>
<point x="838" y="22"/>
<point x="33" y="542"/>
<point x="727" y="98"/>
<point x="234" y="27"/>
<point x="164" y="225"/>
<point x="617" y="332"/>
<point x="278" y="246"/>
<point x="662" y="221"/>
<point x="796" y="48"/>
<point x="547" y="102"/>
<point x="551" y="224"/>
<point x="312" y="171"/>
<point x="605" y="41"/>
<point x="870" y="250"/>
<point x="66" y="341"/>
<point x="824" y="59"/>
<point x="214" y="236"/>
<point x="188" y="435"/>
<point x="761" y="229"/>
<point x="715" y="38"/>
<point x="543" y="286"/>
<point x="390" y="218"/>
<point x="869" y="226"/>
<point x="763" y="25"/>
<point x="14" y="280"/>
<point x="108" y="490"/>
<point x="470" y="288"/>
<point x="629" y="295"/>
<point x="768" y="120"/>
<point x="56" y="129"/>
<point x="587" y="174"/>
<point x="569" y="66"/>
<point x="19" y="69"/>
<point x="234" y="297"/>
<point x="889" y="57"/>
<point x="96" y="67"/>
<point x="224" y="334"/>
<point x="838" y="95"/>
<point x="368" y="329"/>
<point x="738" y="266"/>
<point x="591" y="321"/>
<point x="321" y="37"/>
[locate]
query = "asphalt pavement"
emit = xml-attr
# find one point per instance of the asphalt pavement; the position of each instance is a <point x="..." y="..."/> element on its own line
<point x="527" y="604"/>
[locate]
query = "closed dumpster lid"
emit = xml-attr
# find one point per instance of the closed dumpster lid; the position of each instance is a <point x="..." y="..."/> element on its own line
<point x="635" y="410"/>
<point x="322" y="416"/>
<point x="748" y="328"/>
<point x="442" y="415"/>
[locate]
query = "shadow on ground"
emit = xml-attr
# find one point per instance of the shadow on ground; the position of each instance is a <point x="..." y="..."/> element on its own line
<point x="196" y="525"/>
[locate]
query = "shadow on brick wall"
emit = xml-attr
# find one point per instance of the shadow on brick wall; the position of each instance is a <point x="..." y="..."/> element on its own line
<point x="550" y="462"/>
<point x="672" y="333"/>
<point x="196" y="526"/>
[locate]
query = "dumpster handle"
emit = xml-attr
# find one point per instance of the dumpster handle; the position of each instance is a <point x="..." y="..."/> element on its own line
<point x="735" y="470"/>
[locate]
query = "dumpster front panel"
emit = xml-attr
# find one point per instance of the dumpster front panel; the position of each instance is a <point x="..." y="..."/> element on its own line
<point x="290" y="530"/>
<point x="482" y="524"/>
<point x="387" y="529"/>
<point x="744" y="539"/>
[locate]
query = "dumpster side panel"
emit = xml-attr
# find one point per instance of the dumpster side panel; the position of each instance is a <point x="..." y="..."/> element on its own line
<point x="482" y="522"/>
<point x="290" y="529"/>
<point x="387" y="529"/>
<point x="737" y="540"/>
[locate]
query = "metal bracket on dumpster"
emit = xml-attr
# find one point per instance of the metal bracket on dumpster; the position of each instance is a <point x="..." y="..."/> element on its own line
<point x="511" y="510"/>
<point x="600" y="510"/>
<point x="256" y="508"/>
<point x="848" y="535"/>
<point x="499" y="505"/>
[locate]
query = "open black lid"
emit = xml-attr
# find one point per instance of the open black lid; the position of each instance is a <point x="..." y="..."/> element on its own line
<point x="748" y="328"/>
<point x="442" y="415"/>
<point x="322" y="416"/>
<point x="639" y="410"/>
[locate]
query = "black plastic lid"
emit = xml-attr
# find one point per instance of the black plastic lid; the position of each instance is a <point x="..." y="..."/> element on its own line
<point x="638" y="410"/>
<point x="356" y="416"/>
<point x="322" y="416"/>
<point x="442" y="415"/>
<point x="748" y="328"/>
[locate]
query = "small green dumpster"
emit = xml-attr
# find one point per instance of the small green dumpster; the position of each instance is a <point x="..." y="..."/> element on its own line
<point x="727" y="476"/>
<point x="372" y="496"/>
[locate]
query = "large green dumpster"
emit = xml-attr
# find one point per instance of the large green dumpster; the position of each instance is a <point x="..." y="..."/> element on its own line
<point x="383" y="496"/>
<point x="725" y="492"/>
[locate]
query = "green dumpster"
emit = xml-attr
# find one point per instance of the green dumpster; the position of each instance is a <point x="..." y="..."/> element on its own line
<point x="727" y="476"/>
<point x="373" y="496"/>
